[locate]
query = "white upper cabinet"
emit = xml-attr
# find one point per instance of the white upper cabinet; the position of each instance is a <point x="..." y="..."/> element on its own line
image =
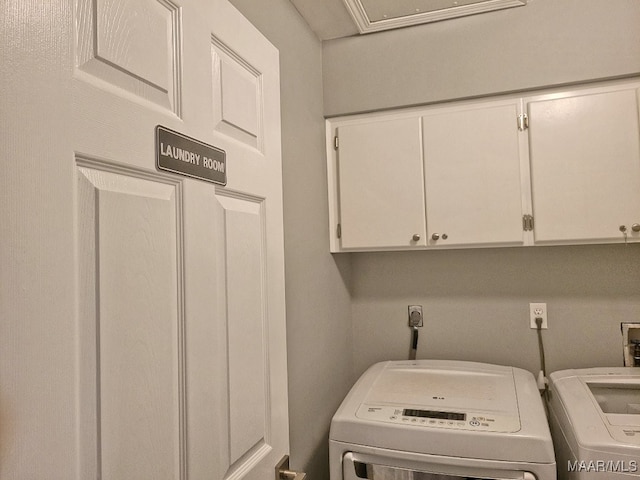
<point x="585" y="165"/>
<point x="379" y="175"/>
<point x="472" y="175"/>
<point x="483" y="173"/>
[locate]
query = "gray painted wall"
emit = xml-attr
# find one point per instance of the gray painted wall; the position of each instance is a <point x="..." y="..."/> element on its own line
<point x="476" y="304"/>
<point x="545" y="43"/>
<point x="318" y="302"/>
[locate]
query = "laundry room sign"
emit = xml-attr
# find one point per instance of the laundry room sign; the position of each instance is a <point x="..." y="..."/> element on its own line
<point x="184" y="155"/>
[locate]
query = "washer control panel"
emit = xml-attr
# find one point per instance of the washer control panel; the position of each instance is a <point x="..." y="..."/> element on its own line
<point x="469" y="420"/>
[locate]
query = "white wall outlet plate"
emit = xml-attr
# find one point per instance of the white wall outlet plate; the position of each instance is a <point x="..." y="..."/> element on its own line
<point x="538" y="310"/>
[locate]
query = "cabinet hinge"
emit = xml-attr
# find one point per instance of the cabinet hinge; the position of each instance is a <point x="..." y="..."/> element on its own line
<point x="339" y="231"/>
<point x="527" y="223"/>
<point x="523" y="122"/>
<point x="336" y="142"/>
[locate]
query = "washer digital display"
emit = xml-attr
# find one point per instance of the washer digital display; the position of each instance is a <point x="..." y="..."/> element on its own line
<point x="408" y="412"/>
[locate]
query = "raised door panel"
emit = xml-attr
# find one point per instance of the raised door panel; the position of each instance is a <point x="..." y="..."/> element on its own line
<point x="473" y="175"/>
<point x="132" y="46"/>
<point x="381" y="190"/>
<point x="131" y="324"/>
<point x="585" y="166"/>
<point x="237" y="96"/>
<point x="246" y="323"/>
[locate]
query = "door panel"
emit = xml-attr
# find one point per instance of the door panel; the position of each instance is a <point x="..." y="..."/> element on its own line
<point x="131" y="326"/>
<point x="237" y="95"/>
<point x="585" y="166"/>
<point x="381" y="184"/>
<point x="243" y="225"/>
<point x="472" y="175"/>
<point x="133" y="45"/>
<point x="145" y="333"/>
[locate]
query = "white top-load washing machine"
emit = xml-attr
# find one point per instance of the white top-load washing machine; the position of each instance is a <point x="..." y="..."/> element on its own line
<point x="444" y="420"/>
<point x="595" y="421"/>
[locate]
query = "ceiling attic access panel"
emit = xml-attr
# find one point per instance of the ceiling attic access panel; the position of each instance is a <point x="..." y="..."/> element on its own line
<point x="377" y="15"/>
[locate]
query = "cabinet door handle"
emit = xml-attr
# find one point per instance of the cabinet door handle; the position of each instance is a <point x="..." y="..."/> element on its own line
<point x="635" y="227"/>
<point x="416" y="237"/>
<point x="435" y="236"/>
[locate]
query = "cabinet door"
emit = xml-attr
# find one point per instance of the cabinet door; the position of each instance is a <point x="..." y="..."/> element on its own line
<point x="585" y="166"/>
<point x="472" y="175"/>
<point x="380" y="184"/>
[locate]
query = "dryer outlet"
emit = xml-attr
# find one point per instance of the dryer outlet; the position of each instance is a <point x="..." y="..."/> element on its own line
<point x="415" y="316"/>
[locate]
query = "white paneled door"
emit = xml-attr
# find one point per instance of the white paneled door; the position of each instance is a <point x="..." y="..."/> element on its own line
<point x="142" y="329"/>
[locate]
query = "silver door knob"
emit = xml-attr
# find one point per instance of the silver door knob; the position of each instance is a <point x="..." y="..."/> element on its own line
<point x="435" y="236"/>
<point x="416" y="237"/>
<point x="635" y="227"/>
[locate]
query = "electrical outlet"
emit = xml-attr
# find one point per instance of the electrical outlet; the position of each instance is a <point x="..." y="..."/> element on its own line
<point x="415" y="315"/>
<point x="538" y="310"/>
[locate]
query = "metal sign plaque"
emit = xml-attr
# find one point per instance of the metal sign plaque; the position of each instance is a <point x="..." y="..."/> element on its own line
<point x="180" y="154"/>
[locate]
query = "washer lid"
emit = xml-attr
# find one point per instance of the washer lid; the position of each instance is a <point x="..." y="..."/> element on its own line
<point x="603" y="406"/>
<point x="476" y="397"/>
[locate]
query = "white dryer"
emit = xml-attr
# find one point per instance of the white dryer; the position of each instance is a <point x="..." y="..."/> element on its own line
<point x="444" y="420"/>
<point x="595" y="421"/>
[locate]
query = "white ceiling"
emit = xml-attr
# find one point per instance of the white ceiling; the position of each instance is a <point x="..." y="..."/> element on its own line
<point x="327" y="18"/>
<point x="341" y="18"/>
